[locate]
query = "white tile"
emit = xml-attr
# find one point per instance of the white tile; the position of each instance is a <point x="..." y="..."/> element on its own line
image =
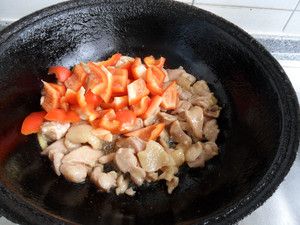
<point x="293" y="26"/>
<point x="250" y="19"/>
<point x="13" y="10"/>
<point x="186" y="1"/>
<point x="271" y="4"/>
<point x="298" y="7"/>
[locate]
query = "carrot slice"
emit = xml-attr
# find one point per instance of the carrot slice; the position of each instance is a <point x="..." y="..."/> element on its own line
<point x="61" y="73"/>
<point x="151" y="132"/>
<point x="153" y="107"/>
<point x="151" y="61"/>
<point x="137" y="90"/>
<point x="32" y="123"/>
<point x="169" y="97"/>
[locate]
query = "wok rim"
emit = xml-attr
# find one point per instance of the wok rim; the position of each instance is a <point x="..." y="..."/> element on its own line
<point x="289" y="138"/>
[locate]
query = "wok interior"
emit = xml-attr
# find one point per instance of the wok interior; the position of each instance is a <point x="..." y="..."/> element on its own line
<point x="249" y="122"/>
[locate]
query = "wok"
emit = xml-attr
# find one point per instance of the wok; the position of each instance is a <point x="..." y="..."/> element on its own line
<point x="259" y="121"/>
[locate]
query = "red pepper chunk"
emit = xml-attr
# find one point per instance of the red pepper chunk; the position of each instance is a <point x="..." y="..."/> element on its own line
<point x="138" y="69"/>
<point x="142" y="106"/>
<point x="136" y="91"/>
<point x="169" y="97"/>
<point x="32" y="123"/>
<point x="151" y="61"/>
<point x="120" y="79"/>
<point x="61" y="73"/>
<point x="154" y="85"/>
<point x="153" y="107"/>
<point x="111" y="61"/>
<point x="151" y="132"/>
<point x="77" y="79"/>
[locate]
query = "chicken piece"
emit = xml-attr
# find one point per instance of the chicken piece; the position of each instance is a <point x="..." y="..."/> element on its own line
<point x="206" y="101"/>
<point x="125" y="159"/>
<point x="105" y="181"/>
<point x="195" y="118"/>
<point x="123" y="60"/>
<point x="199" y="162"/>
<point x="107" y="158"/>
<point x="53" y="131"/>
<point x="151" y="176"/>
<point x="76" y="173"/>
<point x="178" y="156"/>
<point x="152" y="119"/>
<point x="153" y="157"/>
<point x="182" y="106"/>
<point x="172" y="184"/>
<point x="164" y="139"/>
<point x="166" y="118"/>
<point x="200" y="88"/>
<point x="83" y="155"/>
<point x="167" y="79"/>
<point x="174" y="74"/>
<point x="132" y="142"/>
<point x="42" y="141"/>
<point x="137" y="175"/>
<point x="185" y="81"/>
<point x="55" y="153"/>
<point x="130" y="192"/>
<point x="211" y="130"/>
<point x="213" y="111"/>
<point x="139" y="123"/>
<point x="178" y="135"/>
<point x="122" y="185"/>
<point x="82" y="133"/>
<point x="210" y="150"/>
<point x="193" y="152"/>
<point x="70" y="145"/>
<point x="103" y="134"/>
<point x="183" y="94"/>
<point x="168" y="173"/>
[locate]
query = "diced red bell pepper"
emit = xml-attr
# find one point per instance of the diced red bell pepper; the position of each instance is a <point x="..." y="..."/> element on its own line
<point x="88" y="110"/>
<point x="153" y="84"/>
<point x="126" y="117"/>
<point x="61" y="73"/>
<point x="111" y="61"/>
<point x="120" y="78"/>
<point x="32" y="123"/>
<point x="71" y="97"/>
<point x="92" y="99"/>
<point x="142" y="106"/>
<point x="57" y="115"/>
<point x="158" y="74"/>
<point x="77" y="79"/>
<point x="60" y="115"/>
<point x="120" y="102"/>
<point x="151" y="61"/>
<point x="138" y="69"/>
<point x="51" y="97"/>
<point x="153" y="107"/>
<point x="169" y="97"/>
<point x="136" y="91"/>
<point x="151" y="132"/>
<point x="60" y="88"/>
<point x="104" y="87"/>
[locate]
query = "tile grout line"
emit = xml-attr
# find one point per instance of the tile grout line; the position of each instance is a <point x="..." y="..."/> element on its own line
<point x="288" y="20"/>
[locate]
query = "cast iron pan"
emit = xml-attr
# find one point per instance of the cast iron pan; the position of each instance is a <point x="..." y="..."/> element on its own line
<point x="259" y="121"/>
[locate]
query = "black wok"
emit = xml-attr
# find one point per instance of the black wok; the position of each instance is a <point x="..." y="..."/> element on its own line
<point x="259" y="121"/>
